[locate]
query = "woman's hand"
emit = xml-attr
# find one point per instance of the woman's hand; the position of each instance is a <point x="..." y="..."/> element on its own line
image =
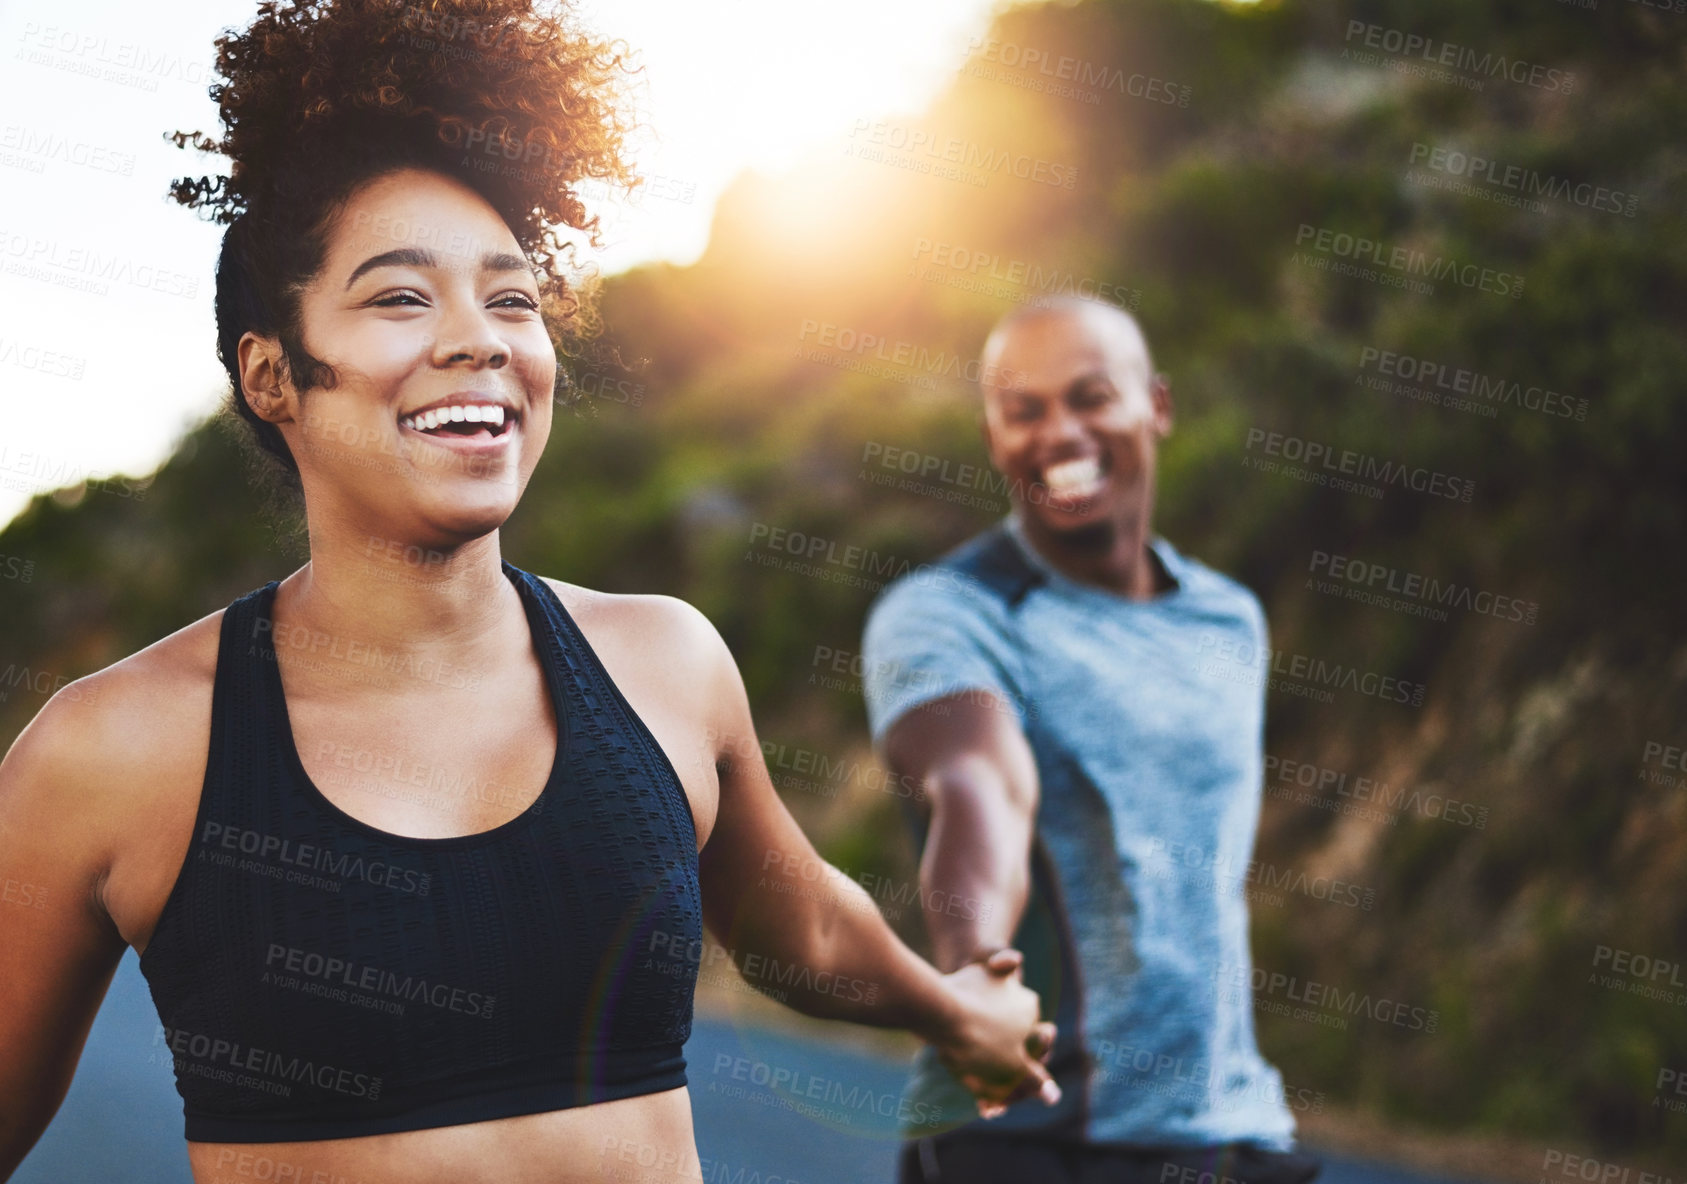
<point x="998" y="1047"/>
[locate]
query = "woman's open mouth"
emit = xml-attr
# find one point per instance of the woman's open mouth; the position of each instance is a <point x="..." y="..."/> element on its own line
<point x="475" y="426"/>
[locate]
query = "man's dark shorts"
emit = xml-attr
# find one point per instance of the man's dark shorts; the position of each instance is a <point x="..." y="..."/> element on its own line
<point x="1000" y="1160"/>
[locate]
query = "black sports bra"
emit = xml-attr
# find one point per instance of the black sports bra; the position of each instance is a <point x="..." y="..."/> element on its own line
<point x="319" y="978"/>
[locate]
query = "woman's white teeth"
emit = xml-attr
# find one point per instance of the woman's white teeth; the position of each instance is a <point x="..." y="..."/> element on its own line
<point x="457" y="413"/>
<point x="1073" y="476"/>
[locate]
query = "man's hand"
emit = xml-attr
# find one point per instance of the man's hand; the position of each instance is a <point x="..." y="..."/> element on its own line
<point x="999" y="1047"/>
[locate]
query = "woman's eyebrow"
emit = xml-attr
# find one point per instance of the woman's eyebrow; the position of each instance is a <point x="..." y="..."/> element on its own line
<point x="503" y="261"/>
<point x="400" y="257"/>
<point x="496" y="261"/>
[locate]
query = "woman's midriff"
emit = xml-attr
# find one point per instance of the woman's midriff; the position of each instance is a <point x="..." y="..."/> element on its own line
<point x="642" y="1140"/>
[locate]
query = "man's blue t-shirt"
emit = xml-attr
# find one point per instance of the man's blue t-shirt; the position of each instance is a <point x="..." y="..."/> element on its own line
<point x="1148" y="755"/>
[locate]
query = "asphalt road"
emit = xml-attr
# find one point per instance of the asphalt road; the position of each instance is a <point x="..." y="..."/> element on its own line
<point x="122" y="1120"/>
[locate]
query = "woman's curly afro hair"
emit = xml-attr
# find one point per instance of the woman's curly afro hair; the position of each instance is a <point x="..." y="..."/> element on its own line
<point x="508" y="96"/>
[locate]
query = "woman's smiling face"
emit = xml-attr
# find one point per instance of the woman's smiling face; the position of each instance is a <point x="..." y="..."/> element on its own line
<point x="428" y="313"/>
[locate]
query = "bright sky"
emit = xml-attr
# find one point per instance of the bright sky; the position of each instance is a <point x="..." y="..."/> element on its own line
<point x="107" y="350"/>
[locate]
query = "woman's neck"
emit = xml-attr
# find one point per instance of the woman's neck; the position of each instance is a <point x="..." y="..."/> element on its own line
<point x="382" y="611"/>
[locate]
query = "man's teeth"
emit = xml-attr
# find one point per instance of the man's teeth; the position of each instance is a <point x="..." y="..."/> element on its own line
<point x="456" y="413"/>
<point x="1073" y="476"/>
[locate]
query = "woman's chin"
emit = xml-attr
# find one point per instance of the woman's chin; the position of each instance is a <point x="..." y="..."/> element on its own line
<point x="469" y="517"/>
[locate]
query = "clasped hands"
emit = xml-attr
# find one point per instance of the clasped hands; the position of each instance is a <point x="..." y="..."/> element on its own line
<point x="998" y="1048"/>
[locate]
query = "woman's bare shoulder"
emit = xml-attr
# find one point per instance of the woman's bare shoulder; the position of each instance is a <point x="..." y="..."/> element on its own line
<point x="645" y="627"/>
<point x="125" y="729"/>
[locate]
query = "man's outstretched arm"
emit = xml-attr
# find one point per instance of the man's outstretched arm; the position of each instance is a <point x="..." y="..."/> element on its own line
<point x="970" y="757"/>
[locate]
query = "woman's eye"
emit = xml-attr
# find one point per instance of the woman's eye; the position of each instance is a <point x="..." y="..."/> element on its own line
<point x="516" y="300"/>
<point x="394" y="299"/>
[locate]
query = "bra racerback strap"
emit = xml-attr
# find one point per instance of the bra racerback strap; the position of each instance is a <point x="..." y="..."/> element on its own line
<point x="244" y="717"/>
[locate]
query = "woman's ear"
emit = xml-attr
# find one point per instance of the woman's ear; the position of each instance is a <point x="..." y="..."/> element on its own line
<point x="261" y="368"/>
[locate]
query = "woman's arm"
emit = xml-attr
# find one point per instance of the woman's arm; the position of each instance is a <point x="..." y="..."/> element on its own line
<point x="58" y="946"/>
<point x="792" y="921"/>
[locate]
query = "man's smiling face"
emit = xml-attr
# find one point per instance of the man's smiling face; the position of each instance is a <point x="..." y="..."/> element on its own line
<point x="1073" y="416"/>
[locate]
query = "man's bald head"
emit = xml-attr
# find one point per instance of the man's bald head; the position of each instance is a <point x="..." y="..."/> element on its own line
<point x="1114" y="333"/>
